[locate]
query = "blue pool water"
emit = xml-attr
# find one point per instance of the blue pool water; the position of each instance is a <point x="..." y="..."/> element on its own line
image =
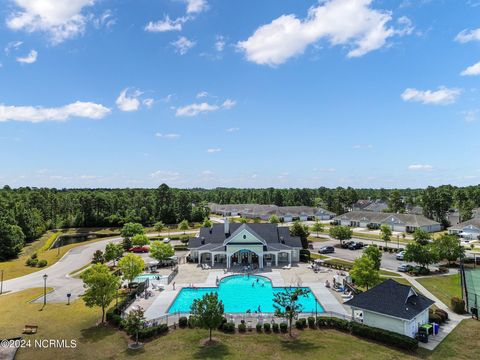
<point x="143" y="277"/>
<point x="238" y="295"/>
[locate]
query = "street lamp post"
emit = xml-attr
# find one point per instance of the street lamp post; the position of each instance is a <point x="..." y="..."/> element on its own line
<point x="68" y="298"/>
<point x="1" y="283"/>
<point x="45" y="289"/>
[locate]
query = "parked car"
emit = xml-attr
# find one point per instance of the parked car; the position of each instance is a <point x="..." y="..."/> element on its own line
<point x="346" y="244"/>
<point x="400" y="255"/>
<point x="166" y="240"/>
<point x="355" y="246"/>
<point x="139" y="249"/>
<point x="326" y="250"/>
<point x="404" y="267"/>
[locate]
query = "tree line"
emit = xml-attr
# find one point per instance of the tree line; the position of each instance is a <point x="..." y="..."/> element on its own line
<point x="26" y="213"/>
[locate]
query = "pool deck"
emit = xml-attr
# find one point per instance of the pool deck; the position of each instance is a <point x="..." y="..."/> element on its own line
<point x="157" y="306"/>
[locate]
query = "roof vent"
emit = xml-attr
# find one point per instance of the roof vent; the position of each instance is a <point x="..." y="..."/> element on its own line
<point x="282" y="240"/>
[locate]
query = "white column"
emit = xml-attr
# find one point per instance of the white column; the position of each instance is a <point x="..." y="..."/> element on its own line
<point x="276" y="259"/>
<point x="213" y="259"/>
<point x="261" y="261"/>
<point x="199" y="257"/>
<point x="228" y="261"/>
<point x="290" y="257"/>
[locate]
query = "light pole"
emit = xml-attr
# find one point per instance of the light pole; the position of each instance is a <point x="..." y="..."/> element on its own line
<point x="1" y="283"/>
<point x="45" y="289"/>
<point x="68" y="298"/>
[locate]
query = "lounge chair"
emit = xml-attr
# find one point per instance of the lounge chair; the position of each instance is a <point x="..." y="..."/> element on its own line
<point x="287" y="267"/>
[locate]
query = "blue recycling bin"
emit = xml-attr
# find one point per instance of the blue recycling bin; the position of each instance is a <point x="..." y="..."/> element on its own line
<point x="436" y="328"/>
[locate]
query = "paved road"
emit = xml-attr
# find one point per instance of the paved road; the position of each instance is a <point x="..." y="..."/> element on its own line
<point x="58" y="277"/>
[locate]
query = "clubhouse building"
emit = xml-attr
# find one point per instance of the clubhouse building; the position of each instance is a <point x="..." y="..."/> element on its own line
<point x="235" y="244"/>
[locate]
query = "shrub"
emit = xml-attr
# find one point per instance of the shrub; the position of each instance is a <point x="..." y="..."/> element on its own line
<point x="266" y="327"/>
<point x="191" y="322"/>
<point x="275" y="328"/>
<point x="114" y="319"/>
<point x="149" y="332"/>
<point x="34" y="256"/>
<point x="440" y="311"/>
<point x="384" y="336"/>
<point x="222" y="324"/>
<point x="283" y="327"/>
<point x="229" y="327"/>
<point x="458" y="305"/>
<point x="311" y="322"/>
<point x="339" y="324"/>
<point x="183" y="322"/>
<point x="242" y="328"/>
<point x="259" y="327"/>
<point x="442" y="316"/>
<point x="434" y="318"/>
<point x="42" y="263"/>
<point x="299" y="325"/>
<point x="31" y="262"/>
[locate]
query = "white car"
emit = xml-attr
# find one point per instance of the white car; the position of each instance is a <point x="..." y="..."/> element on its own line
<point x="166" y="240"/>
<point x="400" y="255"/>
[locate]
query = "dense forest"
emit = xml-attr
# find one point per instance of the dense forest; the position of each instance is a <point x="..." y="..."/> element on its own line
<point x="26" y="213"/>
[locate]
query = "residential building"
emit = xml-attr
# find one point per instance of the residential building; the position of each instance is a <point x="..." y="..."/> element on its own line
<point x="469" y="229"/>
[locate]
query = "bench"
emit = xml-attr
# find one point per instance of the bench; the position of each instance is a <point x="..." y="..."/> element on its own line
<point x="30" y="329"/>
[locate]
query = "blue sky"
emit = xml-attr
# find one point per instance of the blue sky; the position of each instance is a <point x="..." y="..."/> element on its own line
<point x="133" y="93"/>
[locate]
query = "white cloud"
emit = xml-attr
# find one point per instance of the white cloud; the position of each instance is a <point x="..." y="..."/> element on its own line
<point x="182" y="45"/>
<point x="202" y="94"/>
<point x="128" y="102"/>
<point x="442" y="96"/>
<point x="28" y="59"/>
<point x="228" y="104"/>
<point x="167" y="136"/>
<point x="196" y="6"/>
<point x="362" y="146"/>
<point x="36" y="114"/>
<point x="166" y="24"/>
<point x="341" y="22"/>
<point x="233" y="129"/>
<point x="420" y="167"/>
<point x="471" y="115"/>
<point x="165" y="176"/>
<point x="106" y="19"/>
<point x="60" y="19"/>
<point x="466" y="35"/>
<point x="220" y="43"/>
<point x="204" y="107"/>
<point x="13" y="45"/>
<point x="472" y="70"/>
<point x="213" y="150"/>
<point x="148" y="102"/>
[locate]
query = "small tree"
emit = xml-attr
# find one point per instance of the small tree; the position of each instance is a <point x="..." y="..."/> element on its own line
<point x="159" y="226"/>
<point x="243" y="220"/>
<point x="420" y="254"/>
<point x="140" y="240"/>
<point x="208" y="312"/>
<point x="101" y="287"/>
<point x="113" y="252"/>
<point x="300" y="230"/>
<point x="134" y="322"/>
<point x="421" y="236"/>
<point x="340" y="232"/>
<point x="207" y="222"/>
<point x="448" y="247"/>
<point x="385" y="233"/>
<point x="128" y="231"/>
<point x="317" y="227"/>
<point x="274" y="219"/>
<point x="373" y="254"/>
<point x="364" y="272"/>
<point x="160" y="251"/>
<point x="286" y="304"/>
<point x="183" y="226"/>
<point x="98" y="257"/>
<point x="131" y="266"/>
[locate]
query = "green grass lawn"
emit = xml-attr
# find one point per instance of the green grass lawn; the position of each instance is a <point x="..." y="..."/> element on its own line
<point x="60" y="321"/>
<point x="443" y="287"/>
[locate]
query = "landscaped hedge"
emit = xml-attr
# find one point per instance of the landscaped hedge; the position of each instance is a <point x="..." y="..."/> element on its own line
<point x="311" y="322"/>
<point x="180" y="247"/>
<point x="242" y="328"/>
<point x="114" y="319"/>
<point x="275" y="328"/>
<point x="458" y="305"/>
<point x="283" y="327"/>
<point x="149" y="332"/>
<point x="266" y="327"/>
<point x="384" y="336"/>
<point x="229" y="327"/>
<point x="334" y="323"/>
<point x="259" y="327"/>
<point x="183" y="322"/>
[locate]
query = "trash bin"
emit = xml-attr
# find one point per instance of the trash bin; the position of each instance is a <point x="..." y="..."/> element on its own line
<point x="436" y="328"/>
<point x="422" y="337"/>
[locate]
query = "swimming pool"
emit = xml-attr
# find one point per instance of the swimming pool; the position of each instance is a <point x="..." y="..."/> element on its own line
<point x="143" y="277"/>
<point x="238" y="296"/>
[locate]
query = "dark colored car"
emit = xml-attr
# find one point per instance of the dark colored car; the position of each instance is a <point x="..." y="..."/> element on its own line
<point x="326" y="250"/>
<point x="139" y="249"/>
<point x="346" y="244"/>
<point x="355" y="246"/>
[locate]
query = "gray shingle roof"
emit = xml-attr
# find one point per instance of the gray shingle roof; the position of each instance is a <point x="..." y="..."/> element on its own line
<point x="393" y="299"/>
<point x="475" y="222"/>
<point x="413" y="220"/>
<point x="271" y="233"/>
<point x="266" y="210"/>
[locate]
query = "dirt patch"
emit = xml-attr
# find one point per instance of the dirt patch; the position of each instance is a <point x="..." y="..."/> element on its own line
<point x="208" y="342"/>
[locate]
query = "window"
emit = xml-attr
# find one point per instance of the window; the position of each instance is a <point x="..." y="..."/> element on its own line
<point x="244" y="236"/>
